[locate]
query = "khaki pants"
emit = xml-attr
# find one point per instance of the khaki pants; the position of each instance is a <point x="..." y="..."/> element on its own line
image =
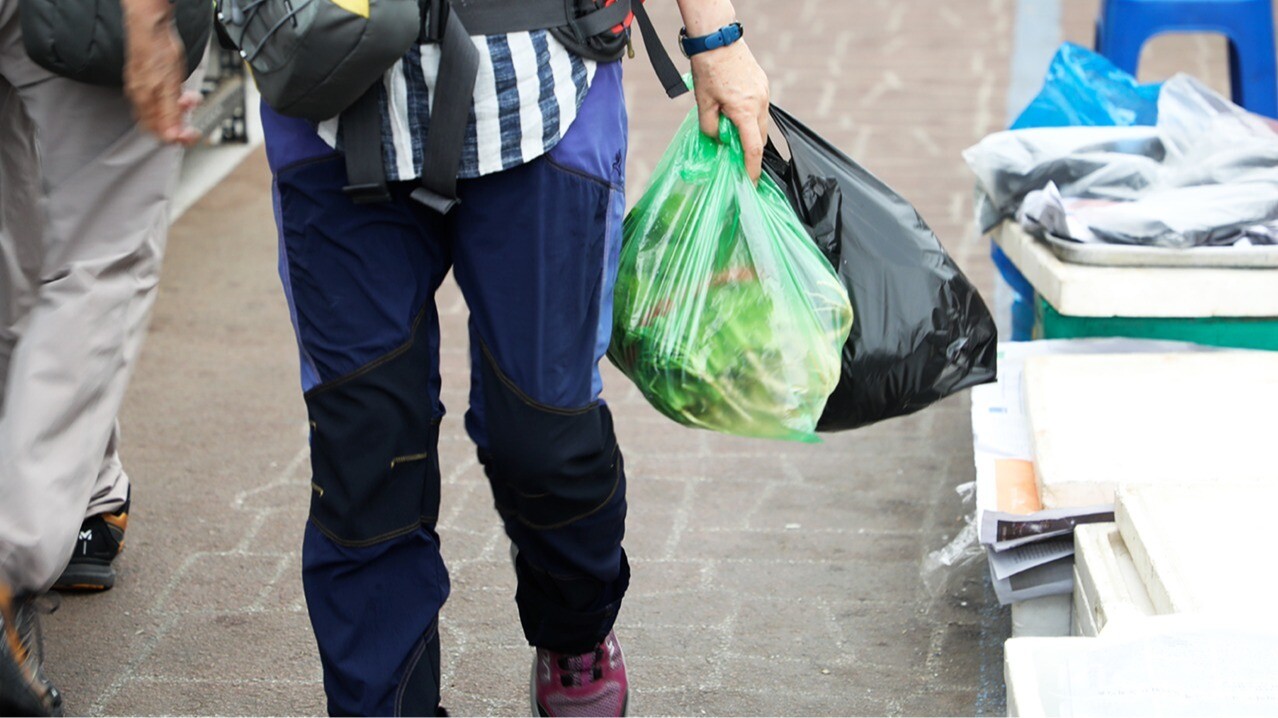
<point x="83" y="219"/>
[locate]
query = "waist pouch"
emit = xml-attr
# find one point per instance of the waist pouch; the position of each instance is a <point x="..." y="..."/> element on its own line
<point x="84" y="39"/>
<point x="316" y="59"/>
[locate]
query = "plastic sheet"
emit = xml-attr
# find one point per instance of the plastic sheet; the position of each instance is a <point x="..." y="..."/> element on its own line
<point x="1083" y="88"/>
<point x="922" y="331"/>
<point x="1205" y="175"/>
<point x="940" y="566"/>
<point x="1110" y="163"/>
<point x="725" y="315"/>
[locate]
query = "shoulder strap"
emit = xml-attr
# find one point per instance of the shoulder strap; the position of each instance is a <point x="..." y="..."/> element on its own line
<point x="362" y="144"/>
<point x="667" y="74"/>
<point x="450" y="108"/>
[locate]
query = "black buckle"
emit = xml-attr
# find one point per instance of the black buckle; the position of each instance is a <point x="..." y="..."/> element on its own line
<point x="435" y="200"/>
<point x="367" y="193"/>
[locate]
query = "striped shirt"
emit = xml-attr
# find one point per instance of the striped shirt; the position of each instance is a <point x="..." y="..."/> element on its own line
<point x="527" y="94"/>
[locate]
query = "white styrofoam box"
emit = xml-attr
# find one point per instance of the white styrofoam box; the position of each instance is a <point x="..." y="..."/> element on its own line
<point x="1082" y="618"/>
<point x="1083" y="291"/>
<point x="1042" y="616"/>
<point x="1033" y="684"/>
<point x="1100" y="420"/>
<point x="1202" y="547"/>
<point x="1106" y="582"/>
<point x="1180" y="665"/>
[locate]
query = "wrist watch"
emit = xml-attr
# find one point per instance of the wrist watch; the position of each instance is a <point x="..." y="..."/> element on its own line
<point x="722" y="37"/>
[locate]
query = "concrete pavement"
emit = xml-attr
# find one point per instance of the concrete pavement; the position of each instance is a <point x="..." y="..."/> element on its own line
<point x="769" y="579"/>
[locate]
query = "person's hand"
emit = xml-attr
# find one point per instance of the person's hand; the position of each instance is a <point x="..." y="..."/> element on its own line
<point x="729" y="81"/>
<point x="154" y="67"/>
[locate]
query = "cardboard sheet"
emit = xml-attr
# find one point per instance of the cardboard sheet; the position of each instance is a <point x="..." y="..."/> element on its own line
<point x="1100" y="420"/>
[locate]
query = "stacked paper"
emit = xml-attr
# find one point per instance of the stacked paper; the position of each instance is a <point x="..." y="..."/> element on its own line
<point x="1029" y="544"/>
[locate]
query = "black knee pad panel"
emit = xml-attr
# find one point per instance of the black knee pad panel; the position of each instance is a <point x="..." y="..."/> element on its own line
<point x="418" y="692"/>
<point x="549" y="467"/>
<point x="373" y="449"/>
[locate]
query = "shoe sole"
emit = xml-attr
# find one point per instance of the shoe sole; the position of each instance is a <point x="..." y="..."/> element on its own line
<point x="86" y="577"/>
<point x="534" y="709"/>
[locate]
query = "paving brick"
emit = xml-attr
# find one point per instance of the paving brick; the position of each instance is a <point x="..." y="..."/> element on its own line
<point x="486" y="575"/>
<point x="151" y="697"/>
<point x="882" y="583"/>
<point x="768" y="701"/>
<point x="655" y="508"/>
<point x="242" y="646"/>
<point x="281" y="529"/>
<point x="816" y="546"/>
<point x="458" y="544"/>
<point x="836" y="506"/>
<point x="286" y="594"/>
<point x="750" y="467"/>
<point x="651" y="577"/>
<point x="221" y="583"/>
<point x="781" y="626"/>
<point x="281" y="496"/>
<point x="486" y="680"/>
<point x="719" y="505"/>
<point x="699" y="651"/>
<point x="684" y="609"/>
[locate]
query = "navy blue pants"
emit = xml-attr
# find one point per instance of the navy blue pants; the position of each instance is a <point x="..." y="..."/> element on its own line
<point x="534" y="250"/>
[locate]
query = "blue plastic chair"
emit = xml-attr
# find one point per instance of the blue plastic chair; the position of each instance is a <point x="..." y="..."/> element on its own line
<point x="1125" y="25"/>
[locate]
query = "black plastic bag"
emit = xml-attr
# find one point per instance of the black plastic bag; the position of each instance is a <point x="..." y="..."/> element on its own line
<point x="922" y="331"/>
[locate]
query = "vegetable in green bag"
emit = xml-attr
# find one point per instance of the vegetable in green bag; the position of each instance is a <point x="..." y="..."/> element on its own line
<point x="726" y="316"/>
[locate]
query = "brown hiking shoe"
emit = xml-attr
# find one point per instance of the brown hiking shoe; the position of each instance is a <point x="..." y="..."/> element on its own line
<point x="24" y="690"/>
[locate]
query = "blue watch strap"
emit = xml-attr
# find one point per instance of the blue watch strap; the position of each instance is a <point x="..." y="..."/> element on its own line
<point x="722" y="37"/>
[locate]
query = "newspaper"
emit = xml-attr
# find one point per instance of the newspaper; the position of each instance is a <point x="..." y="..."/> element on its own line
<point x="1023" y="558"/>
<point x="1049" y="579"/>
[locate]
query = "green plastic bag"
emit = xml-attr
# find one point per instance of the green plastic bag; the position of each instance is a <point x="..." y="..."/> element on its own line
<point x="726" y="315"/>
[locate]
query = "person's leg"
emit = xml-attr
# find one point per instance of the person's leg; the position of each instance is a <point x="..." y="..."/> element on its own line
<point x="536" y="254"/>
<point x="24" y="690"/>
<point x="360" y="282"/>
<point x="111" y="492"/>
<point x="19" y="232"/>
<point x="105" y="188"/>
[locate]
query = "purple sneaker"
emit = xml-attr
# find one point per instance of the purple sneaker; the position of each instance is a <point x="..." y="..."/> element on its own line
<point x="591" y="684"/>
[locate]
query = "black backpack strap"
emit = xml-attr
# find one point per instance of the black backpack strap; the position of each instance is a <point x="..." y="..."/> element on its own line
<point x="361" y="125"/>
<point x="500" y="17"/>
<point x="667" y="74"/>
<point x="604" y="19"/>
<point x="450" y="108"/>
